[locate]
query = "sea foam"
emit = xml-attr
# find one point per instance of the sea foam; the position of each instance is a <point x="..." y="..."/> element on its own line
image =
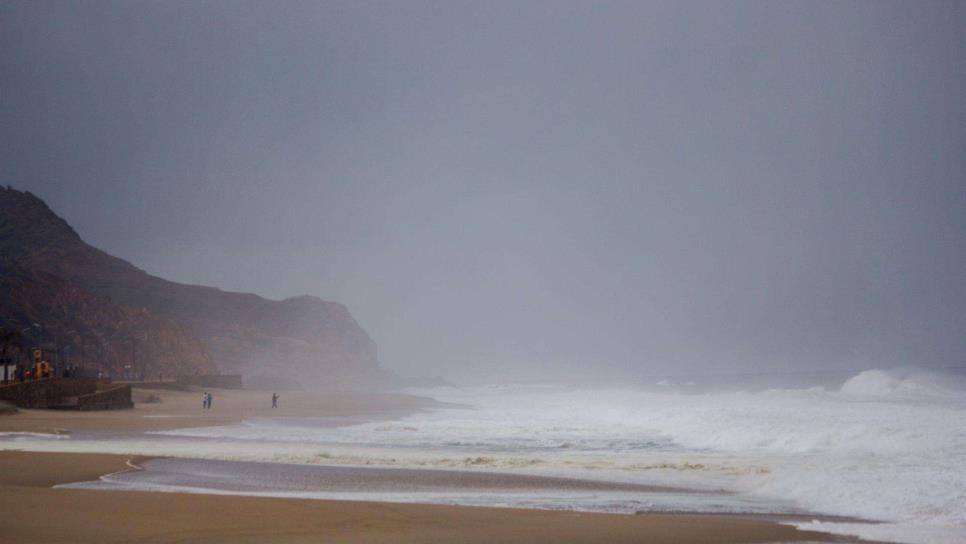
<point x="886" y="446"/>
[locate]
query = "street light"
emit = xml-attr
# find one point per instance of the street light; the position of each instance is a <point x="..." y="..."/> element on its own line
<point x="71" y="345"/>
<point x="130" y="369"/>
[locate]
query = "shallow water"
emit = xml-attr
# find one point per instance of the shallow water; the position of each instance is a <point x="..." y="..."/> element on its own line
<point x="432" y="486"/>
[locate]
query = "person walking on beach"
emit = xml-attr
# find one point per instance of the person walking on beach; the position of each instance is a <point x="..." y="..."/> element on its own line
<point x="210" y="397"/>
<point x="274" y="400"/>
<point x="204" y="400"/>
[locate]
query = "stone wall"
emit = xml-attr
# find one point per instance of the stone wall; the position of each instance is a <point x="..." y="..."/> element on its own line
<point x="116" y="398"/>
<point x="46" y="393"/>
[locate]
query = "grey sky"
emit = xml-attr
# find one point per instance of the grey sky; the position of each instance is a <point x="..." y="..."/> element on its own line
<point x="505" y="188"/>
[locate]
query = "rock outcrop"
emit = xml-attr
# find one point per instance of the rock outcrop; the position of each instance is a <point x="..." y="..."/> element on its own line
<point x="90" y="330"/>
<point x="185" y="328"/>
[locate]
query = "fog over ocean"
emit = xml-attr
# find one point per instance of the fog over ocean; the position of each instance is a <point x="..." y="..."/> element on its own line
<point x="523" y="190"/>
<point x="708" y="245"/>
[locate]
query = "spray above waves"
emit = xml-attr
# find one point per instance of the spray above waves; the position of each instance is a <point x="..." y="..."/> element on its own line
<point x="904" y="383"/>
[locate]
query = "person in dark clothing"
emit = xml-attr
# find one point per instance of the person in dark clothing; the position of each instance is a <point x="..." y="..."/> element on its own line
<point x="274" y="400"/>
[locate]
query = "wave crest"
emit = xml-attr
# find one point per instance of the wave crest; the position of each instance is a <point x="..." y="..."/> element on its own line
<point x="898" y="383"/>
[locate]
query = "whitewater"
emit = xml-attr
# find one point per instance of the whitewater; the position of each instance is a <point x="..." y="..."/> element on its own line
<point x="883" y="447"/>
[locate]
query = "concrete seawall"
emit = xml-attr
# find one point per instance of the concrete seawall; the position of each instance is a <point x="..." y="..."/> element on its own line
<point x="114" y="398"/>
<point x="67" y="393"/>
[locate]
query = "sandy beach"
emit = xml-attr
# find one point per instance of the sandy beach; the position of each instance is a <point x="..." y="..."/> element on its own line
<point x="35" y="511"/>
<point x="181" y="409"/>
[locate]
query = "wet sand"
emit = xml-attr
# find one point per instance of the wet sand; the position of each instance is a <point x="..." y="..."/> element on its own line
<point x="245" y="477"/>
<point x="34" y="512"/>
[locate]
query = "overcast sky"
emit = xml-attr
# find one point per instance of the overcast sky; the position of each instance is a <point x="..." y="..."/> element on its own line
<point x="510" y="189"/>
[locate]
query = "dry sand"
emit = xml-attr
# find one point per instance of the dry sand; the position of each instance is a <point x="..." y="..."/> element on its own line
<point x="33" y="511"/>
<point x="181" y="409"/>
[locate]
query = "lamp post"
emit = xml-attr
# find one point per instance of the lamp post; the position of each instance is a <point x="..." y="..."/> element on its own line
<point x="129" y="371"/>
<point x="77" y="334"/>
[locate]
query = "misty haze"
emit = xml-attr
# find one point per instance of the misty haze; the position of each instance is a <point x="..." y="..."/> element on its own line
<point x="655" y="258"/>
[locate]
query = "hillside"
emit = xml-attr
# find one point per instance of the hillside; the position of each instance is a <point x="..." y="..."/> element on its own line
<point x="302" y="339"/>
<point x="91" y="330"/>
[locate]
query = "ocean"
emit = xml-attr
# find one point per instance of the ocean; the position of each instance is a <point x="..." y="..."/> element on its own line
<point x="882" y="448"/>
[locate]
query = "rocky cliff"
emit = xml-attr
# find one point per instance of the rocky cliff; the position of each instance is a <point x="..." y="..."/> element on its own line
<point x="89" y="330"/>
<point x="302" y="339"/>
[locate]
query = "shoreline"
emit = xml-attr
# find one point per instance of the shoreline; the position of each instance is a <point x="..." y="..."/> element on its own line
<point x="118" y="516"/>
<point x="27" y="481"/>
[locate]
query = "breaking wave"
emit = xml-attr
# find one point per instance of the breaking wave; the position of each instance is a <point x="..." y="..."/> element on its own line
<point x="887" y="445"/>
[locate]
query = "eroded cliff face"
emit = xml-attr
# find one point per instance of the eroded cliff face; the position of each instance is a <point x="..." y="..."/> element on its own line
<point x="81" y="328"/>
<point x="302" y="340"/>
